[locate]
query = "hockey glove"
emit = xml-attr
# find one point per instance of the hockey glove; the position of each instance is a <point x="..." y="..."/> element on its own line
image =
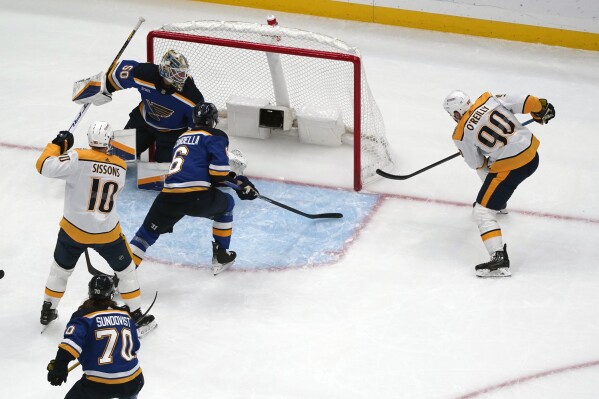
<point x="57" y="372"/>
<point x="247" y="191"/>
<point x="546" y="113"/>
<point x="92" y="90"/>
<point x="64" y="140"/>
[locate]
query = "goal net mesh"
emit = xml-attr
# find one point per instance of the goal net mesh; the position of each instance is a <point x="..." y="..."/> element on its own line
<point x="228" y="58"/>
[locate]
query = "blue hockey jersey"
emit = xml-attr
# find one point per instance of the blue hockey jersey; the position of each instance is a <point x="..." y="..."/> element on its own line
<point x="199" y="156"/>
<point x="162" y="108"/>
<point x="106" y="343"/>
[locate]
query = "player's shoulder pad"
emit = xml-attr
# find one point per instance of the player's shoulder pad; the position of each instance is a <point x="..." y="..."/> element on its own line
<point x="148" y="72"/>
<point x="191" y="91"/>
<point x="81" y="313"/>
<point x="217" y="133"/>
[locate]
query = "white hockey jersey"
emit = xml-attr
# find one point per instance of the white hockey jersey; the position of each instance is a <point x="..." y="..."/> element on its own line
<point x="490" y="130"/>
<point x="93" y="182"/>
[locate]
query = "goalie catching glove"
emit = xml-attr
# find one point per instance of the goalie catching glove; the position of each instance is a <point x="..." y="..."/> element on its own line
<point x="546" y="113"/>
<point x="64" y="140"/>
<point x="247" y="190"/>
<point x="92" y="90"/>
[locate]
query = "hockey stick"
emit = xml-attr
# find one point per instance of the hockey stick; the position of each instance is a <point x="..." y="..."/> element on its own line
<point x="76" y="364"/>
<point x="290" y="209"/>
<point x="85" y="107"/>
<point x="404" y="177"/>
<point x="91" y="269"/>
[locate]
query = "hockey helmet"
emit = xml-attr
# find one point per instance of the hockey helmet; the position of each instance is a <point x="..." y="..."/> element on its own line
<point x="99" y="134"/>
<point x="101" y="287"/>
<point x="205" y="114"/>
<point x="456" y="104"/>
<point x="174" y="68"/>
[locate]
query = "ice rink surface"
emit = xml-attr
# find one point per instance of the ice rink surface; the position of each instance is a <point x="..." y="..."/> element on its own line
<point x="383" y="304"/>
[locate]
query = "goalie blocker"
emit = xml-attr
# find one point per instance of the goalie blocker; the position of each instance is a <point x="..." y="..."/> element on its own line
<point x="91" y="90"/>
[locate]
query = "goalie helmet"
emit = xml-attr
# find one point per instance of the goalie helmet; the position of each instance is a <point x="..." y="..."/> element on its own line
<point x="174" y="69"/>
<point x="456" y="104"/>
<point x="99" y="134"/>
<point x="101" y="287"/>
<point x="205" y="114"/>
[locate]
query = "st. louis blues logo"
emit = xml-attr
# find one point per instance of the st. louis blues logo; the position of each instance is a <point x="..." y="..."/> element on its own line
<point x="157" y="111"/>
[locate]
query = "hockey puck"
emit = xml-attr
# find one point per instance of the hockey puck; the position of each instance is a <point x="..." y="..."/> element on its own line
<point x="1" y="273"/>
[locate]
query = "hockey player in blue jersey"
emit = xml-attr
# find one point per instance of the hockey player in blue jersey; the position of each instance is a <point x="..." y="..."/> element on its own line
<point x="168" y="95"/>
<point x="103" y="337"/>
<point x="200" y="164"/>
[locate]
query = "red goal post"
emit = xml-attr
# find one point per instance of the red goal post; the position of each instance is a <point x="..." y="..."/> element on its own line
<point x="310" y="72"/>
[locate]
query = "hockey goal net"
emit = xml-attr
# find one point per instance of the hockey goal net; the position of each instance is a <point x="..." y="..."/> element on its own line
<point x="297" y="69"/>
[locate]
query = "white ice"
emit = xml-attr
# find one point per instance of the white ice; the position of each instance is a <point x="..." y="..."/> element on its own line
<point x="400" y="314"/>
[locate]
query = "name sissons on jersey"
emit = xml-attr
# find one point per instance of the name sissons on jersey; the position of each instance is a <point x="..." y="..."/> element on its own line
<point x="106" y="169"/>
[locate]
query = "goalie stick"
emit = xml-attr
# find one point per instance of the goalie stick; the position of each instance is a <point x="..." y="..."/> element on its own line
<point x="76" y="364"/>
<point x="290" y="209"/>
<point x="405" y="177"/>
<point x="85" y="107"/>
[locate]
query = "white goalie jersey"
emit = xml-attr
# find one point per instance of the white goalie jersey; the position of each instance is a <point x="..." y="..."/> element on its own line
<point x="93" y="182"/>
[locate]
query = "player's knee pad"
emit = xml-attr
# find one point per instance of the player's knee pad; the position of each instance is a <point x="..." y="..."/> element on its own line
<point x="230" y="202"/>
<point x="128" y="279"/>
<point x="59" y="272"/>
<point x="227" y="215"/>
<point x="56" y="284"/>
<point x="485" y="218"/>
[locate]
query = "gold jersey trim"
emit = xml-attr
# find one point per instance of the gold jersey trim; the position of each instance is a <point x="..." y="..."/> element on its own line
<point x="84" y="237"/>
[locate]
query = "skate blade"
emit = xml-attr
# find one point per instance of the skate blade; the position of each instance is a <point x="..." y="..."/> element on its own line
<point x="501" y="272"/>
<point x="45" y="326"/>
<point x="217" y="269"/>
<point x="142" y="331"/>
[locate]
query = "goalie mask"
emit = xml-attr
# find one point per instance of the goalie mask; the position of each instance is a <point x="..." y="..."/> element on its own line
<point x="174" y="69"/>
<point x="101" y="287"/>
<point x="456" y="104"/>
<point x="99" y="135"/>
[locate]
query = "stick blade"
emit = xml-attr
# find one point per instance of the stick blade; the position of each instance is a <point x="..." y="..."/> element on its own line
<point x="390" y="176"/>
<point x="333" y="215"/>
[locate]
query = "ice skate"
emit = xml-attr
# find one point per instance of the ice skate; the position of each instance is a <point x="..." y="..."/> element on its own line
<point x="498" y="266"/>
<point x="144" y="323"/>
<point x="48" y="314"/>
<point x="222" y="259"/>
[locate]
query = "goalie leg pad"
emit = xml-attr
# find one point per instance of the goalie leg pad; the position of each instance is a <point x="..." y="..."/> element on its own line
<point x="490" y="231"/>
<point x="92" y="90"/>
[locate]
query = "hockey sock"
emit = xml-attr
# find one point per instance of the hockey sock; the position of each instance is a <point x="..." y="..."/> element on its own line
<point x="222" y="228"/>
<point x="56" y="284"/>
<point x="489" y="229"/>
<point x="129" y="287"/>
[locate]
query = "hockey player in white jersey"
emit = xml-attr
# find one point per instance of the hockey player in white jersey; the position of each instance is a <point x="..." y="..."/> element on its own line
<point x="94" y="179"/>
<point x="504" y="154"/>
